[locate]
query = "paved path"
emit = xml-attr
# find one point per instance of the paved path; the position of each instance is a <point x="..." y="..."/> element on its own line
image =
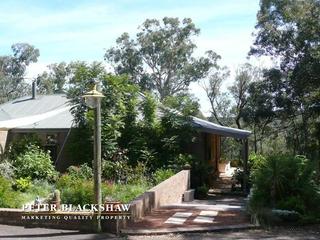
<point x="198" y="215"/>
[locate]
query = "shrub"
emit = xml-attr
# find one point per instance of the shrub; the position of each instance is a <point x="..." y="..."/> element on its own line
<point x="22" y="184"/>
<point x="35" y="163"/>
<point x="80" y="191"/>
<point x="180" y="161"/>
<point x="139" y="174"/>
<point x="128" y="192"/>
<point x="83" y="171"/>
<point x="118" y="171"/>
<point x="8" y="197"/>
<point x="21" y="145"/>
<point x="7" y="169"/>
<point x="75" y="191"/>
<point x="292" y="203"/>
<point x="284" y="182"/>
<point x="40" y="188"/>
<point x="28" y="191"/>
<point x="201" y="192"/>
<point x="162" y="174"/>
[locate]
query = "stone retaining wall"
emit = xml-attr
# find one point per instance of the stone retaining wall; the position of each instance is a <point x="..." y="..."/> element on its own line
<point x="167" y="192"/>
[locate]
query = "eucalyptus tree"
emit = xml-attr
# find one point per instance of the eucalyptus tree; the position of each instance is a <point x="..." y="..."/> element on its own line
<point x="161" y="56"/>
<point x="12" y="71"/>
<point x="289" y="31"/>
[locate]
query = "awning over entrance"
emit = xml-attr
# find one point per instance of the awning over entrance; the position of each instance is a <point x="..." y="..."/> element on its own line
<point x="213" y="128"/>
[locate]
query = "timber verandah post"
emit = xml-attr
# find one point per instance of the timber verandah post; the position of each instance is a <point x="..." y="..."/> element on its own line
<point x="245" y="165"/>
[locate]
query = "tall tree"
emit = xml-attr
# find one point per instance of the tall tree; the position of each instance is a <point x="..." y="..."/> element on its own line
<point x="161" y="58"/>
<point x="259" y="112"/>
<point x="12" y="71"/>
<point x="289" y="30"/>
<point x="245" y="74"/>
<point x="219" y="101"/>
<point x="55" y="79"/>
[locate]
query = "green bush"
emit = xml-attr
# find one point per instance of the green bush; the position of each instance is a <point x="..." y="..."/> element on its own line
<point x="127" y="192"/>
<point x="162" y="174"/>
<point x="285" y="182"/>
<point x="22" y="184"/>
<point x="35" y="163"/>
<point x="21" y="145"/>
<point x="8" y="197"/>
<point x="139" y="174"/>
<point x="121" y="172"/>
<point x="202" y="192"/>
<point x="75" y="191"/>
<point x="83" y="171"/>
<point x="117" y="171"/>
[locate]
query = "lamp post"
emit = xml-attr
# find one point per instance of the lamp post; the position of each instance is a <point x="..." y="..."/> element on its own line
<point x="93" y="100"/>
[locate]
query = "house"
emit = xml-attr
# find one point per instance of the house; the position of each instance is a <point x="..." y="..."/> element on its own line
<point x="49" y="117"/>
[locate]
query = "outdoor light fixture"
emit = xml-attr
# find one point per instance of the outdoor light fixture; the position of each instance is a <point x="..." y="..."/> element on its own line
<point x="93" y="97"/>
<point x="93" y="100"/>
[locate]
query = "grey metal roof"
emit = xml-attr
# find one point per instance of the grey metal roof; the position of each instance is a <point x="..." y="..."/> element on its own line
<point x="209" y="127"/>
<point x="202" y="125"/>
<point x="26" y="106"/>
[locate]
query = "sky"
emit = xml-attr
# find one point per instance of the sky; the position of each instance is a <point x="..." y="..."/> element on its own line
<point x="68" y="30"/>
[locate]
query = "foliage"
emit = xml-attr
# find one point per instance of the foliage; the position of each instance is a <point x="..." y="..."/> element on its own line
<point x="6" y="169"/>
<point x="12" y="71"/>
<point x="15" y="199"/>
<point x="184" y="103"/>
<point x="127" y="192"/>
<point x="118" y="171"/>
<point x="122" y="172"/>
<point x="21" y="144"/>
<point x="8" y="197"/>
<point x="148" y="109"/>
<point x="162" y="174"/>
<point x="245" y="74"/>
<point x="259" y="111"/>
<point x="285" y="182"/>
<point x="131" y="130"/>
<point x="53" y="81"/>
<point x="83" y="171"/>
<point x="288" y="31"/>
<point x="75" y="191"/>
<point x="34" y="163"/>
<point x="79" y="145"/>
<point x="231" y="150"/>
<point x="160" y="57"/>
<point x="201" y="192"/>
<point x="176" y="135"/>
<point x="80" y="191"/>
<point x="219" y="101"/>
<point x="201" y="171"/>
<point x="22" y="184"/>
